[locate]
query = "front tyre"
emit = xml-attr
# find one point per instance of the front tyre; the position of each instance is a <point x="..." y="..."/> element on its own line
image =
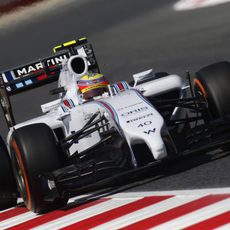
<point x="212" y="84"/>
<point x="34" y="152"/>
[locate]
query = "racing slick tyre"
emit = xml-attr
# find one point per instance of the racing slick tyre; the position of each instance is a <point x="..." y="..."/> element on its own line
<point x="34" y="152"/>
<point x="8" y="187"/>
<point x="212" y="83"/>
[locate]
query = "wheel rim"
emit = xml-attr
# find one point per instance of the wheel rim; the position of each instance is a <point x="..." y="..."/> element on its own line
<point x="19" y="178"/>
<point x="200" y="95"/>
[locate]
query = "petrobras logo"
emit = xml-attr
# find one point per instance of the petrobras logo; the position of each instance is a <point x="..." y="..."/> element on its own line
<point x="38" y="65"/>
<point x="139" y="118"/>
<point x="134" y="111"/>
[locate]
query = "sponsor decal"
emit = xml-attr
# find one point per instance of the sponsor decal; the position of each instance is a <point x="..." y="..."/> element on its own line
<point x="146" y="123"/>
<point x="139" y="118"/>
<point x="150" y="131"/>
<point x="38" y="65"/>
<point x="129" y="106"/>
<point x="134" y="111"/>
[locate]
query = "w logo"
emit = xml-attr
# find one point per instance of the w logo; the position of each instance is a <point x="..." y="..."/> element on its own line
<point x="150" y="131"/>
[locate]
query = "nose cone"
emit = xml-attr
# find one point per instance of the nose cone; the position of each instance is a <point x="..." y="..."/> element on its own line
<point x="139" y="121"/>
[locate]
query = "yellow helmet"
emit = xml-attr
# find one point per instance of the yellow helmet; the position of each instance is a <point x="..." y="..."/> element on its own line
<point x="92" y="85"/>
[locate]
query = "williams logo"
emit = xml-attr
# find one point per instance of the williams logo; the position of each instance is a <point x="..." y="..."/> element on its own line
<point x="150" y="131"/>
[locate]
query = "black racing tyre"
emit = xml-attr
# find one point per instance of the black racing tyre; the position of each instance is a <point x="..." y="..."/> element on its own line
<point x="212" y="82"/>
<point x="34" y="151"/>
<point x="8" y="187"/>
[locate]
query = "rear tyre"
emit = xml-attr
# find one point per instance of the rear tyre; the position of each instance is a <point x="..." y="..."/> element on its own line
<point x="212" y="83"/>
<point x="8" y="187"/>
<point x="34" y="152"/>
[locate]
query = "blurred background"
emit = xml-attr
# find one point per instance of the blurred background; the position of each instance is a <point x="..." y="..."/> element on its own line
<point x="128" y="37"/>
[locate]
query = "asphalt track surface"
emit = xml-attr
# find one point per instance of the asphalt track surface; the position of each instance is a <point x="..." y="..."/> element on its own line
<point x="128" y="37"/>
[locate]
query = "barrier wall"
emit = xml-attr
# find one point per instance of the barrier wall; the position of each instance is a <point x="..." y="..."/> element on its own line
<point x="7" y="6"/>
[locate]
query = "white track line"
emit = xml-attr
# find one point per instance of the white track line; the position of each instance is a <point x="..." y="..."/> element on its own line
<point x="195" y="4"/>
<point x="17" y="220"/>
<point x="174" y="192"/>
<point x="224" y="227"/>
<point x="83" y="214"/>
<point x="196" y="216"/>
<point x="146" y="212"/>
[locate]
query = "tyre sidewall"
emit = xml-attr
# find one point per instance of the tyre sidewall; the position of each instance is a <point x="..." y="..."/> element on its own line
<point x="39" y="153"/>
<point x="215" y="81"/>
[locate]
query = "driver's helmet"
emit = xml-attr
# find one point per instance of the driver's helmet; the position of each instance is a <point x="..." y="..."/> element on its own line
<point x="92" y="85"/>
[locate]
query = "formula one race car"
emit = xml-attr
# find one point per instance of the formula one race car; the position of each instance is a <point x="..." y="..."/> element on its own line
<point x="95" y="130"/>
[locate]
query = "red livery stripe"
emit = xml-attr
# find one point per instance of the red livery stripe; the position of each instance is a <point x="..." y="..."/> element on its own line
<point x="120" y="86"/>
<point x="41" y="77"/>
<point x="110" y="110"/>
<point x="66" y="102"/>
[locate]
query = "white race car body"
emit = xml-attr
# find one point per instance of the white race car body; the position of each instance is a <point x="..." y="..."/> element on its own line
<point x="78" y="146"/>
<point x="128" y="110"/>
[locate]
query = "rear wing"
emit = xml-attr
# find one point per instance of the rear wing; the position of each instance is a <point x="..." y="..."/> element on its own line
<point x="43" y="71"/>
